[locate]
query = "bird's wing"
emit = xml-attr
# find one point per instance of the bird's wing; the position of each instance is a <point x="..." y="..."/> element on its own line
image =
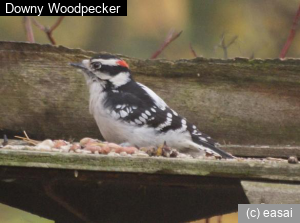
<point x="158" y="101"/>
<point x="179" y="120"/>
<point x="142" y="110"/>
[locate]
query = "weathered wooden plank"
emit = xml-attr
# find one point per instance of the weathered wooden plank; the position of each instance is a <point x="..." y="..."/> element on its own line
<point x="262" y="151"/>
<point x="238" y="101"/>
<point x="271" y="193"/>
<point x="216" y="168"/>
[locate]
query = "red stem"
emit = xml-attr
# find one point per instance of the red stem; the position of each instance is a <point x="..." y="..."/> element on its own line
<point x="289" y="41"/>
<point x="49" y="31"/>
<point x="170" y="38"/>
<point x="60" y="19"/>
<point x="193" y="51"/>
<point x="28" y="29"/>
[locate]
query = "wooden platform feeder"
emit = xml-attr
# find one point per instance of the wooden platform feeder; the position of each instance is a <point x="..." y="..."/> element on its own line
<point x="242" y="103"/>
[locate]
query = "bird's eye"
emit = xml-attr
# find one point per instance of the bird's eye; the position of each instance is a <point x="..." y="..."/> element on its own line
<point x="96" y="65"/>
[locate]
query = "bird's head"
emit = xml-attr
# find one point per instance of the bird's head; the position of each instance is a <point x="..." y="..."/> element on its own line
<point x="105" y="68"/>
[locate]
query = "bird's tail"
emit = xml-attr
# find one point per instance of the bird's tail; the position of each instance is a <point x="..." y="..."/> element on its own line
<point x="213" y="147"/>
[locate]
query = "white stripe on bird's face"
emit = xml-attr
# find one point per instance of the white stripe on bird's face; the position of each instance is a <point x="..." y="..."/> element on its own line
<point x="109" y="62"/>
<point x="117" y="80"/>
<point x="120" y="79"/>
<point x="101" y="75"/>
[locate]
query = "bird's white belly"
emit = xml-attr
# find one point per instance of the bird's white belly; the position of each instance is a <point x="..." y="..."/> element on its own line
<point x="122" y="132"/>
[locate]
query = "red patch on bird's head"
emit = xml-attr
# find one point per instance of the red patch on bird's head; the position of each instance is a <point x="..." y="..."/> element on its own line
<point x="123" y="63"/>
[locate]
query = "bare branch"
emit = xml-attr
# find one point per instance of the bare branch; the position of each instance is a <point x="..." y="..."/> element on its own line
<point x="232" y="41"/>
<point x="225" y="46"/>
<point x="28" y="29"/>
<point x="170" y="38"/>
<point x="60" y="19"/>
<point x="289" y="41"/>
<point x="47" y="30"/>
<point x="222" y="41"/>
<point x="193" y="51"/>
<point x="39" y="25"/>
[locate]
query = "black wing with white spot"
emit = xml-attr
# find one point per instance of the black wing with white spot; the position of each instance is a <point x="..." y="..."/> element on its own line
<point x="142" y="111"/>
<point x="144" y="108"/>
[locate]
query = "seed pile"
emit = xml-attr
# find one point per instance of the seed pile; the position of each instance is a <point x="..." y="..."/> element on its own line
<point x="95" y="146"/>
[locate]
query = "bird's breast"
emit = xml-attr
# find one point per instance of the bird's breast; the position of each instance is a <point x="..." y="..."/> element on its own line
<point x="97" y="99"/>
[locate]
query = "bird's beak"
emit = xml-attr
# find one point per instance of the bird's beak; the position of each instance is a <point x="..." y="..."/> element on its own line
<point x="84" y="65"/>
<point x="78" y="65"/>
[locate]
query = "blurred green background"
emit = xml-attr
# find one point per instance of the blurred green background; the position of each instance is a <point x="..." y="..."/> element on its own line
<point x="261" y="27"/>
<point x="13" y="215"/>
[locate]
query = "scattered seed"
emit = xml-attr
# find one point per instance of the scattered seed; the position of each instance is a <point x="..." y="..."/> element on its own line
<point x="293" y="160"/>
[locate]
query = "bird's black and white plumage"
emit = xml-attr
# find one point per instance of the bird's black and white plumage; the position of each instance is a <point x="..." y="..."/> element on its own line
<point x="128" y="111"/>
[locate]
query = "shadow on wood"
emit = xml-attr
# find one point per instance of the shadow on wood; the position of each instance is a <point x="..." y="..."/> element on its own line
<point x="115" y="197"/>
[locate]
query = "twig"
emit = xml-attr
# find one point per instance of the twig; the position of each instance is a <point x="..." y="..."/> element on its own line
<point x="58" y="22"/>
<point x="225" y="46"/>
<point x="193" y="51"/>
<point x="170" y="38"/>
<point x="28" y="29"/>
<point x="289" y="41"/>
<point x="34" y="142"/>
<point x="231" y="41"/>
<point x="48" y="30"/>
<point x="27" y="139"/>
<point x="31" y="141"/>
<point x="25" y="134"/>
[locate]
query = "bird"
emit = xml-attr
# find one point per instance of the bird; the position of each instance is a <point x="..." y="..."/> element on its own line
<point x="129" y="112"/>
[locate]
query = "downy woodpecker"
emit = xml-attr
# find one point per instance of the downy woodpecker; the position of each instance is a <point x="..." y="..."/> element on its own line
<point x="128" y="111"/>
